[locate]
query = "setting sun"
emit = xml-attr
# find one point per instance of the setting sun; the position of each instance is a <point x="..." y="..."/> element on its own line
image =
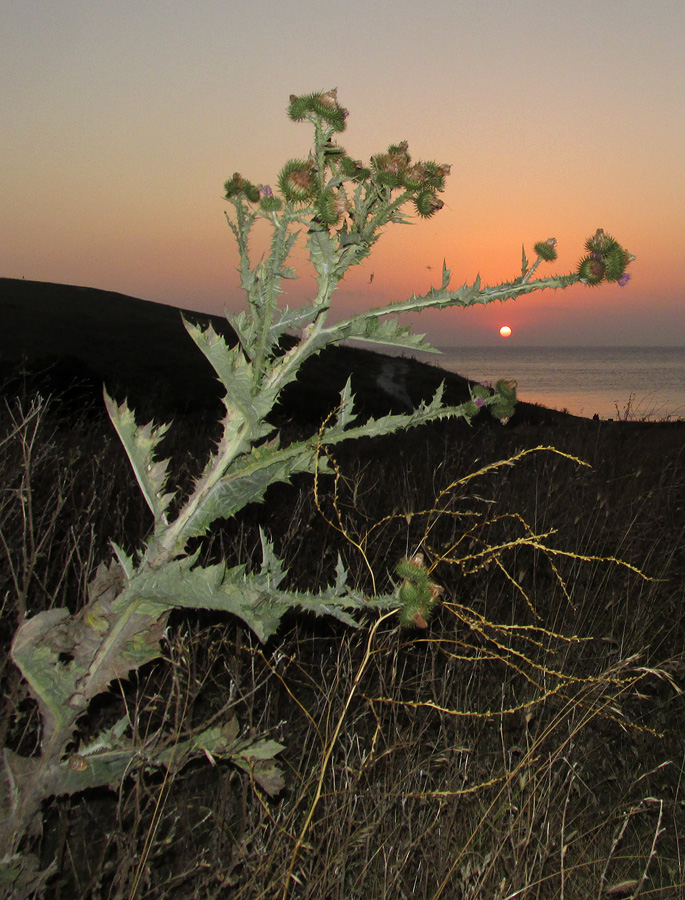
<point x="505" y="331"/>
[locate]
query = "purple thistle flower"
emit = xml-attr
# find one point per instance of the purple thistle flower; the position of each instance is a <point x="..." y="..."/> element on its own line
<point x="266" y="191"/>
<point x="624" y="279"/>
<point x="479" y="401"/>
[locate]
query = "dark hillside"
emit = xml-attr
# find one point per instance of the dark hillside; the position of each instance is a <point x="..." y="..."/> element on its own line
<point x="139" y="349"/>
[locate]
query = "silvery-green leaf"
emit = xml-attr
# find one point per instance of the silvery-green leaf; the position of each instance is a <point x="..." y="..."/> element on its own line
<point x="140" y="443"/>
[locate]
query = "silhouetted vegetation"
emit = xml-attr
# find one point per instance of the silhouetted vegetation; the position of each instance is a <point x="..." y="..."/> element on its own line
<point x="430" y="791"/>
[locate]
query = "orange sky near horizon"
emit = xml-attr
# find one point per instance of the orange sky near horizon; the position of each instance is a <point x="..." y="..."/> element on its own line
<point x="121" y="124"/>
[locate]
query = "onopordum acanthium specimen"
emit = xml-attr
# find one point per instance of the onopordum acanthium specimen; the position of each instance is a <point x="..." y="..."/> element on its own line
<point x="341" y="207"/>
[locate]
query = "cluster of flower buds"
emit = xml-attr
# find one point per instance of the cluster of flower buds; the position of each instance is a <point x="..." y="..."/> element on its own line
<point x="394" y="169"/>
<point x="239" y="186"/>
<point x="322" y="105"/>
<point x="418" y="595"/>
<point x="298" y="180"/>
<point x="302" y="181"/>
<point x="504" y="394"/>
<point x="262" y="194"/>
<point x="606" y="260"/>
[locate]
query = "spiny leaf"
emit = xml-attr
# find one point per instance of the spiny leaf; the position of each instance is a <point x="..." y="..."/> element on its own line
<point x="237" y="376"/>
<point x="256" y="598"/>
<point x="345" y="413"/>
<point x="125" y="561"/>
<point x="246" y="481"/>
<point x="388" y="331"/>
<point x="37" y="650"/>
<point x="140" y="442"/>
<point x="291" y="320"/>
<point x="446" y="276"/>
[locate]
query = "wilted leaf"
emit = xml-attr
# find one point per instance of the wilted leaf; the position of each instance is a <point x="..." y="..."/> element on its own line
<point x="622" y="889"/>
<point x="269" y="777"/>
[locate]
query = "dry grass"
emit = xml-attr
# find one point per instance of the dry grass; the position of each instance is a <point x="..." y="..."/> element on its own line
<point x="527" y="745"/>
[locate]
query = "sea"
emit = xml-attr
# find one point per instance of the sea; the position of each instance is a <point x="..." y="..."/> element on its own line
<point x="639" y="383"/>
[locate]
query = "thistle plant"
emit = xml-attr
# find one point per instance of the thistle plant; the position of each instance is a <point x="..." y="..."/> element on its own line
<point x="340" y="206"/>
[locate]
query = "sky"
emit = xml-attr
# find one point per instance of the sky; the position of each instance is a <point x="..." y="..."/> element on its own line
<point x="121" y="122"/>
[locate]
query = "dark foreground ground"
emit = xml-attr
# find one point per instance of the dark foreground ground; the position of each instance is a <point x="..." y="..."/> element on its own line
<point x="527" y="744"/>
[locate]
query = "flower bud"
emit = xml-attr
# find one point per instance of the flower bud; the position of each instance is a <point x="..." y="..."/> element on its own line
<point x="298" y="108"/>
<point x="414" y="569"/>
<point x="387" y="179"/>
<point x="325" y="105"/>
<point x="239" y="185"/>
<point x="547" y="249"/>
<point x="435" y="175"/>
<point x="297" y="181"/>
<point x="391" y="166"/>
<point x="330" y="206"/>
<point x="399" y="154"/>
<point x="414" y="177"/>
<point x="270" y="204"/>
<point x="329" y="99"/>
<point x="233" y="187"/>
<point x="615" y="261"/>
<point x="427" y="203"/>
<point x="600" y="242"/>
<point x="353" y="168"/>
<point x="591" y="270"/>
<point x="418" y="595"/>
<point x="503" y="407"/>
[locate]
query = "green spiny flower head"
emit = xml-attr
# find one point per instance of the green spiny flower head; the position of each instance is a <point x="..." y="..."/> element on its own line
<point x="503" y="407"/>
<point x="591" y="270"/>
<point x="399" y="154"/>
<point x="479" y="394"/>
<point x="413" y="569"/>
<point x="600" y="243"/>
<point x="388" y="179"/>
<point x="606" y="259"/>
<point x="297" y="181"/>
<point x="391" y="166"/>
<point x="418" y="595"/>
<point x="270" y="203"/>
<point x="616" y="261"/>
<point x="547" y="250"/>
<point x="238" y="186"/>
<point x="298" y="107"/>
<point x="427" y="204"/>
<point x="330" y="207"/>
<point x="435" y="174"/>
<point x="354" y="169"/>
<point x="323" y="105"/>
<point x="385" y="171"/>
<point x="415" y="177"/>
